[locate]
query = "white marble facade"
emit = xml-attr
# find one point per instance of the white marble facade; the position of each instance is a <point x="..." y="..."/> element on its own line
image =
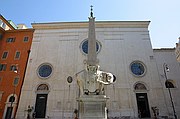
<point x="58" y="45"/>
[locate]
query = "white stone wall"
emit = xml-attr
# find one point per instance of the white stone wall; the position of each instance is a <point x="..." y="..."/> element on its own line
<point x="122" y="43"/>
<point x="168" y="56"/>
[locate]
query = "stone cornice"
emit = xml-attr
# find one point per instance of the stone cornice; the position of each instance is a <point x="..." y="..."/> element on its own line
<point x="21" y="30"/>
<point x="164" y="49"/>
<point x="99" y="24"/>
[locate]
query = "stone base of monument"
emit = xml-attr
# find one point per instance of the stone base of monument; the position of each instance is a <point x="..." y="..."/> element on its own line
<point x="92" y="107"/>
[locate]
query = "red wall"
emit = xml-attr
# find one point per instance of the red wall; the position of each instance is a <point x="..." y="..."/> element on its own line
<point x="7" y="76"/>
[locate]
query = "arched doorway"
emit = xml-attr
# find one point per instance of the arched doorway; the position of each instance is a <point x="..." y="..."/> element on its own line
<point x="41" y="101"/>
<point x="142" y="100"/>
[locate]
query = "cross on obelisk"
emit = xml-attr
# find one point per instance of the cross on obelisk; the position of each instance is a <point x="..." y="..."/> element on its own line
<point x="91" y="11"/>
<point x="92" y="56"/>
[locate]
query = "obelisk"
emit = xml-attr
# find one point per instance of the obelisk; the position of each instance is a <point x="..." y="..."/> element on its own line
<point x="92" y="103"/>
<point x="92" y="56"/>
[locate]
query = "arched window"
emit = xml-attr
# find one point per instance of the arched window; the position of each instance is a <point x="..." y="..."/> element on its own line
<point x="169" y="84"/>
<point x="140" y="86"/>
<point x="12" y="99"/>
<point x="43" y="87"/>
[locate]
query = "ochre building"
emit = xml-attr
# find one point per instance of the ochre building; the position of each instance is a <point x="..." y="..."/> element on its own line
<point x="15" y="44"/>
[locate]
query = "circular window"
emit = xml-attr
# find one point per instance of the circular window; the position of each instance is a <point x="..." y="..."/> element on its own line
<point x="137" y="68"/>
<point x="84" y="46"/>
<point x="45" y="71"/>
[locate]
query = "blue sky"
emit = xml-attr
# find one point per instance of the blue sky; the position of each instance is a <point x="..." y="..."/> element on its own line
<point x="163" y="14"/>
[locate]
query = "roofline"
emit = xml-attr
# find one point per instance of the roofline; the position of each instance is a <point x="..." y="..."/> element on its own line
<point x="4" y="20"/>
<point x="21" y="30"/>
<point x="161" y="49"/>
<point x="85" y="22"/>
<point x="2" y="29"/>
<point x="99" y="24"/>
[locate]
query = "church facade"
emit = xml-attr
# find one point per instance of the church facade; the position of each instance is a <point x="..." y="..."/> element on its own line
<point x="59" y="51"/>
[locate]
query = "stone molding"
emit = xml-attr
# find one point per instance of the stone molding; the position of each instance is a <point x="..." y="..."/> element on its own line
<point x="99" y="24"/>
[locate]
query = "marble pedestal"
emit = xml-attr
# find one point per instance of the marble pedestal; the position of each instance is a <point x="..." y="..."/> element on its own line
<point x="92" y="107"/>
